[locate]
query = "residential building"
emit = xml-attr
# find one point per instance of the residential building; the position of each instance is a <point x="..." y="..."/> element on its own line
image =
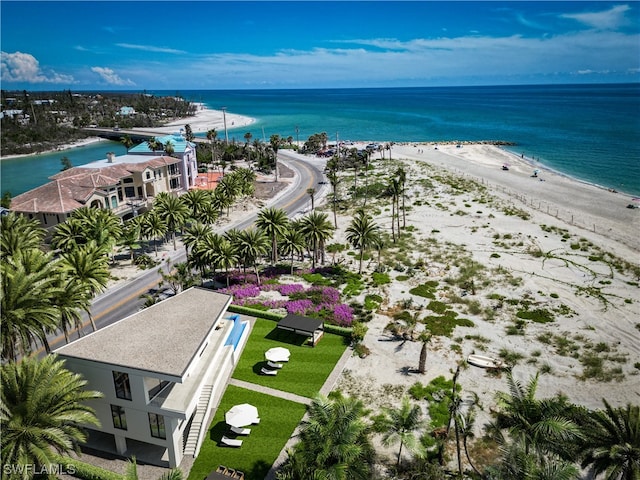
<point x="125" y="184"/>
<point x="182" y="149"/>
<point x="162" y="371"/>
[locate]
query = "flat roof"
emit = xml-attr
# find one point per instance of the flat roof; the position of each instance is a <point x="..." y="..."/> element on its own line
<point x="300" y="324"/>
<point x="163" y="338"/>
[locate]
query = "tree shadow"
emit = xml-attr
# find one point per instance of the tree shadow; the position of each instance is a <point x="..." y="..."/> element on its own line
<point x="406" y="371"/>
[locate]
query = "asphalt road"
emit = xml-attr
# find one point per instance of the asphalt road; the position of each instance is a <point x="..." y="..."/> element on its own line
<point x="124" y="300"/>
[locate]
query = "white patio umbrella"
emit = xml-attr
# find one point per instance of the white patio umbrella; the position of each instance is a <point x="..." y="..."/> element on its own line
<point x="241" y="415"/>
<point x="277" y="354"/>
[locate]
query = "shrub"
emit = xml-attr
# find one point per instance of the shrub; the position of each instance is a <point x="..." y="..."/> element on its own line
<point x="426" y="290"/>
<point x="380" y="278"/>
<point x="438" y="307"/>
<point x="372" y="302"/>
<point x="539" y="315"/>
<point x="255" y="313"/>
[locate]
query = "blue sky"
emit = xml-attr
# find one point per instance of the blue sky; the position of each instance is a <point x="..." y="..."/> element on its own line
<point x="303" y="44"/>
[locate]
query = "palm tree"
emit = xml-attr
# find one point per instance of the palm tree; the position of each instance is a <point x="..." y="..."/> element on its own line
<point x="425" y="338"/>
<point x="87" y="267"/>
<point x="273" y="222"/>
<point x="540" y="425"/>
<point x="196" y="201"/>
<point x="517" y="463"/>
<point x="399" y="425"/>
<point x="311" y="192"/>
<point x="226" y="256"/>
<point x="334" y="179"/>
<point x="211" y="136"/>
<point x="252" y="243"/>
<point x="274" y="140"/>
<point x="68" y="235"/>
<point x="69" y="300"/>
<point x="317" y="230"/>
<point x="130" y="237"/>
<point x="194" y="234"/>
<point x="612" y="442"/>
<point x="169" y="149"/>
<point x="174" y="212"/>
<point x="401" y="173"/>
<point x="127" y="142"/>
<point x="18" y="233"/>
<point x="247" y="179"/>
<point x="154" y="144"/>
<point x="153" y="227"/>
<point x="362" y="233"/>
<point x="393" y="191"/>
<point x="292" y="243"/>
<point x="334" y="442"/>
<point x="42" y="406"/>
<point x="30" y="283"/>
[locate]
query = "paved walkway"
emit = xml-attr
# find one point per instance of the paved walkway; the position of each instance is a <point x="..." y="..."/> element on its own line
<point x="270" y="391"/>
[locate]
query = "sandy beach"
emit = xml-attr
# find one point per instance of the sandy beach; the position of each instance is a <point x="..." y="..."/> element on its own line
<point x="536" y="246"/>
<point x="203" y="121"/>
<point x="553" y="260"/>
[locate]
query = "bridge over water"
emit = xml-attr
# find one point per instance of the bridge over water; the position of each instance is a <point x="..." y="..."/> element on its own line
<point x="136" y="135"/>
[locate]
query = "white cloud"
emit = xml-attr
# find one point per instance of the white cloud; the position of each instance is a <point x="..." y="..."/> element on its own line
<point x="24" y="67"/>
<point x="150" y="48"/>
<point x="111" y="77"/>
<point x="471" y="59"/>
<point x="605" y="20"/>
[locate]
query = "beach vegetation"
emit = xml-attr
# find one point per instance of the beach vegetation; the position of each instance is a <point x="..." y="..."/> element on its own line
<point x="510" y="357"/>
<point x="379" y="279"/>
<point x="538" y="315"/>
<point x="426" y="289"/>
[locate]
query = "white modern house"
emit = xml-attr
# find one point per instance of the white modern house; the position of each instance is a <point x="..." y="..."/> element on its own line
<point x="162" y="372"/>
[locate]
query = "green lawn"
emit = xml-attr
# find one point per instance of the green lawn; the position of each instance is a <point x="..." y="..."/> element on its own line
<point x="307" y="369"/>
<point x="278" y="419"/>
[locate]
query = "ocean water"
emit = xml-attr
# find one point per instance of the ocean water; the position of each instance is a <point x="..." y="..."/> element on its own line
<point x="589" y="132"/>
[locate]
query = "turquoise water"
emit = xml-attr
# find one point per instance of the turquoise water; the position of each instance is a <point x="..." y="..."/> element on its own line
<point x="589" y="132"/>
<point x="22" y="174"/>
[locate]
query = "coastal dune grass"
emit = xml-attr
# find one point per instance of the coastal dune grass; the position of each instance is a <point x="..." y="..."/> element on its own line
<point x="259" y="450"/>
<point x="307" y="369"/>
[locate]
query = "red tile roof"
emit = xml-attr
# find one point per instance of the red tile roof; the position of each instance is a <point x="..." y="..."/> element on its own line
<point x="70" y="189"/>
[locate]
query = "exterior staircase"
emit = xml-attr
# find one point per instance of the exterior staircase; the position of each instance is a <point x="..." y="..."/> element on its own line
<point x="191" y="445"/>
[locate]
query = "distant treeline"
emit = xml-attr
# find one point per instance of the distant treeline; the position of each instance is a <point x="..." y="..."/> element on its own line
<point x="37" y="121"/>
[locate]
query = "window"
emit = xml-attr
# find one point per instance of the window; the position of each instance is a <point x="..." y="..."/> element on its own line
<point x="119" y="418"/>
<point x="156" y="423"/>
<point x="129" y="192"/>
<point x="121" y="382"/>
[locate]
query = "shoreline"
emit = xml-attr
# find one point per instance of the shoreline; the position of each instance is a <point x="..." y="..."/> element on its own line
<point x="62" y="148"/>
<point x="204" y="120"/>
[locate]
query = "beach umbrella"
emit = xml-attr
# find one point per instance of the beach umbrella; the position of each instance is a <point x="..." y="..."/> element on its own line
<point x="277" y="354"/>
<point x="241" y="415"/>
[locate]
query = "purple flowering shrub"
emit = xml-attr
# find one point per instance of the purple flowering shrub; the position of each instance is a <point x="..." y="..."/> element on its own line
<point x="317" y="301"/>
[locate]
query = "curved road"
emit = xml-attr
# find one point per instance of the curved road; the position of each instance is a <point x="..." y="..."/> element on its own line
<point x="124" y="300"/>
